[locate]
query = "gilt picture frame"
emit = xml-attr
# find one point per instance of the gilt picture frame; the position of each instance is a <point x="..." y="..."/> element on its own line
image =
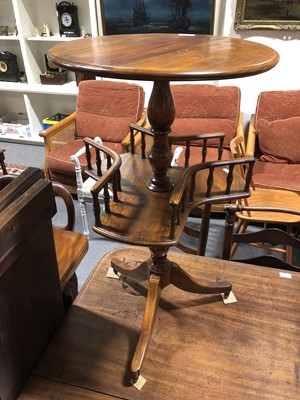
<point x="266" y="14"/>
<point x="157" y="16"/>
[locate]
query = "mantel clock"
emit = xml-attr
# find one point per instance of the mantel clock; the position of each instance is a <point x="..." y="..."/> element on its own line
<point x="67" y="19"/>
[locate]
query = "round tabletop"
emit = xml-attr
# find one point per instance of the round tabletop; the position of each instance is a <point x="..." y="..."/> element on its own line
<point x="172" y="57"/>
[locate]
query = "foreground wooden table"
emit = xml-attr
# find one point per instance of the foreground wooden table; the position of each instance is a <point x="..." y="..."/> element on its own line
<point x="200" y="348"/>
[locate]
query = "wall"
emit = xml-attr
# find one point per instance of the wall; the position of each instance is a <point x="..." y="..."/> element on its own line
<point x="284" y="76"/>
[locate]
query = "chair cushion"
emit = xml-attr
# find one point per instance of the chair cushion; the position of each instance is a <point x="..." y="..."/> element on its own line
<point x="279" y="140"/>
<point x="277" y="104"/>
<point x="61" y="168"/>
<point x="270" y="175"/>
<point x="206" y="109"/>
<point x="106" y="109"/>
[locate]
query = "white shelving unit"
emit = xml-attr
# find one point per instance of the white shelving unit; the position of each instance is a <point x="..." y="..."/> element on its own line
<point x="36" y="100"/>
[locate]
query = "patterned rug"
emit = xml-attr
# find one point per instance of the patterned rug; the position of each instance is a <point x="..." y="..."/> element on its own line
<point x="14" y="169"/>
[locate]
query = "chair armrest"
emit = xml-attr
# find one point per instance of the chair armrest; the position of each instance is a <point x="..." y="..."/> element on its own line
<point x="200" y="141"/>
<point x="240" y="125"/>
<point x="77" y="166"/>
<point x="61" y="191"/>
<point x="183" y="201"/>
<point x="126" y="143"/>
<point x="240" y="132"/>
<point x="106" y="176"/>
<point x="59" y="134"/>
<point x="103" y="178"/>
<point x="251" y="140"/>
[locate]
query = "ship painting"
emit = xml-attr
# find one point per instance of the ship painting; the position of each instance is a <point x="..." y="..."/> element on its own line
<point x="179" y="14"/>
<point x="140" y="16"/>
<point x="157" y="16"/>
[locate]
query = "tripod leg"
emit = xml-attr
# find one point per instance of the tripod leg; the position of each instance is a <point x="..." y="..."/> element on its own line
<point x="147" y="326"/>
<point x="184" y="281"/>
<point x="138" y="274"/>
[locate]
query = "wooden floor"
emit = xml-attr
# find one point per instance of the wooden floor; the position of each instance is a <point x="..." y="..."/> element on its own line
<point x="200" y="348"/>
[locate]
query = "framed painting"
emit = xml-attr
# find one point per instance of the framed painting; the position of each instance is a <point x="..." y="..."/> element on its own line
<point x="157" y="16"/>
<point x="266" y="14"/>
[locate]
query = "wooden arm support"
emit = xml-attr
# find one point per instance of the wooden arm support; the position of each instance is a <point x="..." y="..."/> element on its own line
<point x="103" y="179"/>
<point x="252" y="137"/>
<point x="58" y="135"/>
<point x="183" y="198"/>
<point x="198" y="141"/>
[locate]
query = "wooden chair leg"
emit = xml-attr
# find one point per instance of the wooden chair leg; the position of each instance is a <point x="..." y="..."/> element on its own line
<point x="70" y="292"/>
<point x="204" y="230"/>
<point x="2" y="162"/>
<point x="289" y="250"/>
<point x="241" y="228"/>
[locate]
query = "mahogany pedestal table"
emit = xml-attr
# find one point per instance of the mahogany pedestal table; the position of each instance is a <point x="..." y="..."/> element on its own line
<point x="160" y="58"/>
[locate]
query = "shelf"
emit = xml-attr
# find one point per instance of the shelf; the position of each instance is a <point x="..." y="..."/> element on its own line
<point x="32" y="98"/>
<point x="12" y="38"/>
<point x="52" y="38"/>
<point x="68" y="88"/>
<point x="17" y="139"/>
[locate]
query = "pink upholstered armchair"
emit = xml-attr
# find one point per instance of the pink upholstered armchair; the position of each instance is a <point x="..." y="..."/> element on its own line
<point x="203" y="108"/>
<point x="104" y="109"/>
<point x="274" y="139"/>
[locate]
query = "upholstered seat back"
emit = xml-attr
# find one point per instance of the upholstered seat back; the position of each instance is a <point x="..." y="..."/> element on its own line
<point x="106" y="108"/>
<point x="206" y="109"/>
<point x="274" y="138"/>
<point x="277" y="104"/>
<point x="277" y="124"/>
